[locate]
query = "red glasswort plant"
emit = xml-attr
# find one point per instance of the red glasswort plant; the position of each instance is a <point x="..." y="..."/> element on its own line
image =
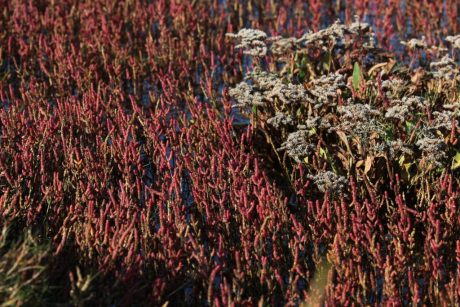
<point x="121" y="154"/>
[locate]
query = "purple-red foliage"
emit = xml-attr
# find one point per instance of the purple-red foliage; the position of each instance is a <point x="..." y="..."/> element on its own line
<point x="111" y="149"/>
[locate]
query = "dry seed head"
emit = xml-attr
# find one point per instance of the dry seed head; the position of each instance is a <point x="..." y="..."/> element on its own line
<point x="280" y="119"/>
<point x="297" y="145"/>
<point x="281" y="45"/>
<point x="434" y="149"/>
<point x="287" y="93"/>
<point x="359" y="27"/>
<point x="454" y="41"/>
<point x="415" y="43"/>
<point x="446" y="68"/>
<point x="327" y="181"/>
<point x="252" y="41"/>
<point x="325" y="89"/>
<point x="399" y="111"/>
<point x="245" y="96"/>
<point x="444" y="119"/>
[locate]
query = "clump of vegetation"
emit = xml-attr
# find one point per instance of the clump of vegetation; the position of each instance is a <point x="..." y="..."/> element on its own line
<point x="340" y="105"/>
<point x="23" y="270"/>
<point x="353" y="124"/>
<point x="136" y="168"/>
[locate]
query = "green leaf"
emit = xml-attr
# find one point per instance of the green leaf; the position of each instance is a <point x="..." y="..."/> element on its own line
<point x="304" y="61"/>
<point x="409" y="126"/>
<point x="407" y="166"/>
<point x="401" y="160"/>
<point x="254" y="111"/>
<point x="302" y="75"/>
<point x="323" y="153"/>
<point x="357" y="76"/>
<point x="299" y="112"/>
<point x="456" y="161"/>
<point x="327" y="61"/>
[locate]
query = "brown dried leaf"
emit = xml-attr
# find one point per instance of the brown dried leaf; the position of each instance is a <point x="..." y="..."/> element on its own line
<point x="368" y="164"/>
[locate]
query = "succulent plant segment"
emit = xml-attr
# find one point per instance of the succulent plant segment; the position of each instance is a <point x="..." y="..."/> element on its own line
<point x="229" y="153"/>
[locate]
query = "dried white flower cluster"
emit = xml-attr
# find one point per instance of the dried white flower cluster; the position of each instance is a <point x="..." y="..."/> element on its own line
<point x="444" y="119"/>
<point x="325" y="89"/>
<point x="415" y="102"/>
<point x="446" y="68"/>
<point x="334" y="34"/>
<point x="252" y="41"/>
<point x="358" y="27"/>
<point x="415" y="43"/>
<point x="297" y="145"/>
<point x="452" y="106"/>
<point x="312" y="122"/>
<point x="287" y="93"/>
<point x="263" y="81"/>
<point x="267" y="87"/>
<point x="454" y="41"/>
<point x="398" y="111"/>
<point x="280" y="119"/>
<point x="357" y="112"/>
<point x="433" y="149"/>
<point x="393" y="86"/>
<point x="246" y="95"/>
<point x="401" y="109"/>
<point x="256" y="43"/>
<point x="364" y="122"/>
<point x="282" y="45"/>
<point x="397" y="147"/>
<point x="327" y="181"/>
